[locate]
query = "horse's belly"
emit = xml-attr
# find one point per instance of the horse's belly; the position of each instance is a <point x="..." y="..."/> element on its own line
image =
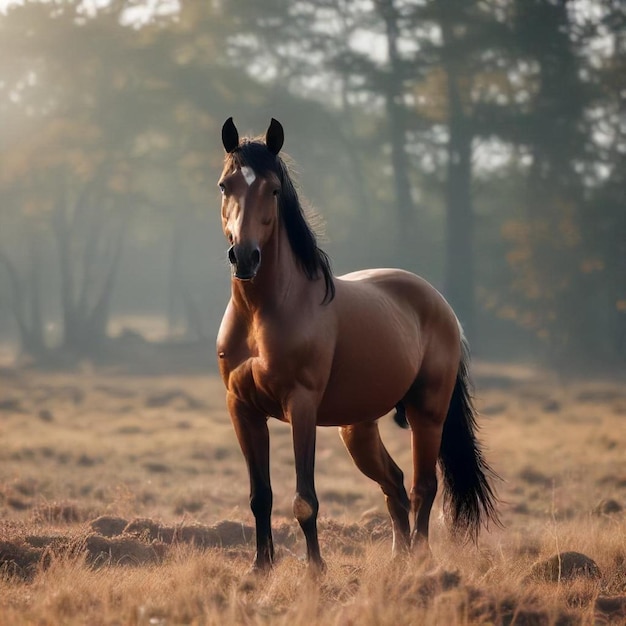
<point x="365" y="392"/>
<point x="370" y="379"/>
<point x="359" y="403"/>
<point x="379" y="348"/>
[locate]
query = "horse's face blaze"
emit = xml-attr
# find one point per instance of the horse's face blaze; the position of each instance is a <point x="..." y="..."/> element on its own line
<point x="249" y="215"/>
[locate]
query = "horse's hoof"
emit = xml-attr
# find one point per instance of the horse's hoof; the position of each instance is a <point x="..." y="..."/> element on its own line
<point x="260" y="569"/>
<point x="400" y="552"/>
<point x="317" y="569"/>
<point x="420" y="551"/>
<point x="254" y="575"/>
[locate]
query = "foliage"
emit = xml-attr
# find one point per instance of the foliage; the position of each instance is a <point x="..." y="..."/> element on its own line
<point x="480" y="144"/>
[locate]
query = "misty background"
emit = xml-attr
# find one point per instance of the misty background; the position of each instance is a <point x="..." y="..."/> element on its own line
<point x="480" y="144"/>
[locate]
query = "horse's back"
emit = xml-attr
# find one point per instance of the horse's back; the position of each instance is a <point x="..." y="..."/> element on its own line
<point x="405" y="292"/>
<point x="387" y="321"/>
<point x="401" y="285"/>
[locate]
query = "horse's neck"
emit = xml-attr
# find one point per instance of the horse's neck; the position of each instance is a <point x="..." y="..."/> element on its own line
<point x="278" y="280"/>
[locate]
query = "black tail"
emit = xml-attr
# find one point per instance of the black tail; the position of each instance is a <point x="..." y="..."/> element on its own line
<point x="469" y="498"/>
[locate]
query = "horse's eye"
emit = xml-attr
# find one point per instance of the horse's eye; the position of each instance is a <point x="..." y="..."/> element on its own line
<point x="276" y="192"/>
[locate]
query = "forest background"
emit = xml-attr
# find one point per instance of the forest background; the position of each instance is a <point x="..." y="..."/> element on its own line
<point x="480" y="144"/>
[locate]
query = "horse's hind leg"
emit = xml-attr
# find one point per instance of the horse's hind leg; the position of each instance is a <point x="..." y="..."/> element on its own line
<point x="426" y="409"/>
<point x="370" y="455"/>
<point x="425" y="442"/>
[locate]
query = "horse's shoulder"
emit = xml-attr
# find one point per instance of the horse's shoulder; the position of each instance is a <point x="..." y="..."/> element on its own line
<point x="232" y="328"/>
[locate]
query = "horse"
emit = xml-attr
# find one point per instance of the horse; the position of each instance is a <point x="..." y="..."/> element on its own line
<point x="301" y="345"/>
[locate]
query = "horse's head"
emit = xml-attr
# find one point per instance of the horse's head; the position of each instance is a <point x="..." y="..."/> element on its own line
<point x="250" y="188"/>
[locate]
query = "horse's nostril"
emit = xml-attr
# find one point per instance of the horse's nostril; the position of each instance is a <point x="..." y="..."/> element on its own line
<point x="256" y="257"/>
<point x="231" y="255"/>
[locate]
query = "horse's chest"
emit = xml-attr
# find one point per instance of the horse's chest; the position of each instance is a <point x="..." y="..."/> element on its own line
<point x="262" y="366"/>
<point x="254" y="381"/>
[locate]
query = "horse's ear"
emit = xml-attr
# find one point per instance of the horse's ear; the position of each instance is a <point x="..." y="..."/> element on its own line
<point x="230" y="136"/>
<point x="274" y="137"/>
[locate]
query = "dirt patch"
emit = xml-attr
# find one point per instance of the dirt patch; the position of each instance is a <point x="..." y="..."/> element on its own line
<point x="45" y="415"/>
<point x="610" y="609"/>
<point x="109" y="525"/>
<point x="535" y="477"/>
<point x="11" y="405"/>
<point x="494" y="409"/>
<point x="117" y="542"/>
<point x="103" y="551"/>
<point x="156" y="467"/>
<point x="122" y="393"/>
<point x="565" y="566"/>
<point x="600" y="395"/>
<point x="18" y="558"/>
<point x="346" y="498"/>
<point x="176" y="398"/>
<point x="223" y="534"/>
<point x="607" y="507"/>
<point x="59" y="393"/>
<point x="377" y="524"/>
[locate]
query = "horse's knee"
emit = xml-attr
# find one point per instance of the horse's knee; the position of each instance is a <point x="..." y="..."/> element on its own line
<point x="304" y="509"/>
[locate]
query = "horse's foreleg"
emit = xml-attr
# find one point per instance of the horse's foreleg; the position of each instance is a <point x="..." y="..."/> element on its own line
<point x="302" y="416"/>
<point x="370" y="455"/>
<point x="253" y="435"/>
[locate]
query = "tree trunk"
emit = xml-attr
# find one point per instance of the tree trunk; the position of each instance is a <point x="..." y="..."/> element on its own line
<point x="174" y="287"/>
<point x="459" y="261"/>
<point x="68" y="309"/>
<point x="86" y="311"/>
<point x="25" y="304"/>
<point x="397" y="121"/>
<point x="36" y="319"/>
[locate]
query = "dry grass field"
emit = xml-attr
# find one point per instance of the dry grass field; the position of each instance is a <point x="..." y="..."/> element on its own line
<point x="123" y="500"/>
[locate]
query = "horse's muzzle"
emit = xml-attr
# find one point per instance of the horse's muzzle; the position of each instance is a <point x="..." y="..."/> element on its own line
<point x="245" y="261"/>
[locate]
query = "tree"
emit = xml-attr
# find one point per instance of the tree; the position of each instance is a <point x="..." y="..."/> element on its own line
<point x="553" y="263"/>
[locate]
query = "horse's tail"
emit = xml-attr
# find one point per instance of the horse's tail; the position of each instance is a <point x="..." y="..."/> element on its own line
<point x="469" y="498"/>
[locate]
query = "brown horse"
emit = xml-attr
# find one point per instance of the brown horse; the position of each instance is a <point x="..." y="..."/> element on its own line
<point x="311" y="349"/>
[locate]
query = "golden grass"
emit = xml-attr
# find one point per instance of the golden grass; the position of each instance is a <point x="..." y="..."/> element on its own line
<point x="76" y="447"/>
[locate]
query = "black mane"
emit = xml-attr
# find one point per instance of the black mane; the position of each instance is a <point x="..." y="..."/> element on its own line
<point x="310" y="257"/>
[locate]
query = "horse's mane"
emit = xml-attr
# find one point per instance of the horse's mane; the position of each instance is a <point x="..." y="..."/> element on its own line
<point x="313" y="261"/>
